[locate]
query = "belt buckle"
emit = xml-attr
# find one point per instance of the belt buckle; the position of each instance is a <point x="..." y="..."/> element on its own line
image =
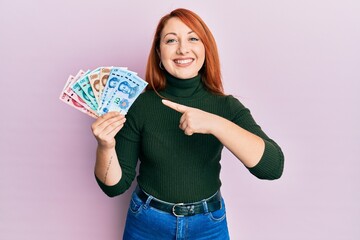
<point x="173" y="209"/>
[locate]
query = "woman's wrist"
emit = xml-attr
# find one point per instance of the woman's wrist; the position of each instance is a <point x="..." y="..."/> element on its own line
<point x="217" y="124"/>
<point x="106" y="146"/>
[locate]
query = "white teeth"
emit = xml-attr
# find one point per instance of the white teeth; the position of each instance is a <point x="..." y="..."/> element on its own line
<point x="184" y="61"/>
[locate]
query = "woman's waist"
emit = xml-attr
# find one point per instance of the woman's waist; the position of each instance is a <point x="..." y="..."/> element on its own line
<point x="178" y="191"/>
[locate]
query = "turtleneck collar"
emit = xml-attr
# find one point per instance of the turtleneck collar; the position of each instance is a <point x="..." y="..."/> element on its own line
<point x="183" y="87"/>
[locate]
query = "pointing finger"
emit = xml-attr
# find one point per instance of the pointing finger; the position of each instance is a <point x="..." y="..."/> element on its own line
<point x="177" y="107"/>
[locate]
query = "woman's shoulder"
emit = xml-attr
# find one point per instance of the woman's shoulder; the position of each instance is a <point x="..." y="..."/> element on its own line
<point x="229" y="100"/>
<point x="229" y="106"/>
<point x="148" y="95"/>
<point x="145" y="99"/>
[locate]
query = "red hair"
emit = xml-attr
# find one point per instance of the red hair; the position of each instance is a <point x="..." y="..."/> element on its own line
<point x="210" y="71"/>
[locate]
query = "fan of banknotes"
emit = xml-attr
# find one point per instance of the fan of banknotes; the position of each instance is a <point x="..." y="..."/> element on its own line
<point x="103" y="90"/>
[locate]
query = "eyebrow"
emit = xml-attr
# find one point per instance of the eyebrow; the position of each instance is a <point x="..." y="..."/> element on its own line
<point x="172" y="33"/>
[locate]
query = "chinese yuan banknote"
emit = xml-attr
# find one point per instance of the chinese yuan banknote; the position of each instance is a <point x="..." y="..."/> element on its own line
<point x="102" y="90"/>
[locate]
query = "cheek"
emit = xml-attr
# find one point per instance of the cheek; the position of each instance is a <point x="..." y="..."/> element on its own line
<point x="165" y="56"/>
<point x="163" y="53"/>
<point x="200" y="51"/>
<point x="167" y="52"/>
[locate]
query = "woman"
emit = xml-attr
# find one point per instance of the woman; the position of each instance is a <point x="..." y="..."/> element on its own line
<point x="179" y="140"/>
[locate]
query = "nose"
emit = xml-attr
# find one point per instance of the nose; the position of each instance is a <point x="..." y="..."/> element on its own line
<point x="182" y="48"/>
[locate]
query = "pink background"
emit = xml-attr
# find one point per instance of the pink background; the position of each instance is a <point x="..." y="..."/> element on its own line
<point x="295" y="64"/>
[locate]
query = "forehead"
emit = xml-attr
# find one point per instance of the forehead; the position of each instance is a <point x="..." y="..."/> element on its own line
<point x="175" y="25"/>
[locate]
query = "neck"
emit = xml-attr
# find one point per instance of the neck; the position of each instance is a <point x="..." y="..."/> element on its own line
<point x="183" y="87"/>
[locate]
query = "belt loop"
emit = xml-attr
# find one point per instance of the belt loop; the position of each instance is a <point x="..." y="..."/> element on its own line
<point x="148" y="196"/>
<point x="205" y="206"/>
<point x="148" y="200"/>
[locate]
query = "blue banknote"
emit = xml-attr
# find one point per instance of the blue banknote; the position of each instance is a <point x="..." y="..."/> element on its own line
<point x="116" y="75"/>
<point x="124" y="87"/>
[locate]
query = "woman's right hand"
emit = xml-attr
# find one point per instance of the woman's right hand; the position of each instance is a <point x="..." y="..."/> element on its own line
<point x="106" y="127"/>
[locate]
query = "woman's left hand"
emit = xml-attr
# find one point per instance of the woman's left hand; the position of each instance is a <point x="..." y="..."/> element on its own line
<point x="193" y="120"/>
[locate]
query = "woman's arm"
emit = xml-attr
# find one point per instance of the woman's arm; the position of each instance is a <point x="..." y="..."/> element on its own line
<point x="107" y="167"/>
<point x="261" y="155"/>
<point x="246" y="146"/>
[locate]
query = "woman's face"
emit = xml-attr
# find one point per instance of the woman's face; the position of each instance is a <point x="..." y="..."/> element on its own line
<point x="181" y="51"/>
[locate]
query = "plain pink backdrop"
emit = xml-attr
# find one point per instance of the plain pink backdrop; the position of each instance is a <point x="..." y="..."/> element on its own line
<point x="295" y="64"/>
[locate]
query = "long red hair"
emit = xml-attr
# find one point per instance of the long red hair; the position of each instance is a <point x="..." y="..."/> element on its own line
<point x="210" y="71"/>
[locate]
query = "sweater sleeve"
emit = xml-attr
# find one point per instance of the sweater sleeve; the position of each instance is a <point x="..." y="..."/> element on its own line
<point x="127" y="150"/>
<point x="271" y="163"/>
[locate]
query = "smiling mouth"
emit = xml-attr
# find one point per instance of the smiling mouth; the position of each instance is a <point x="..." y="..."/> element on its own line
<point x="184" y="61"/>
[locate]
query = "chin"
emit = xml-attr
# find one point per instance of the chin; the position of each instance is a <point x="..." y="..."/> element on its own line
<point x="185" y="75"/>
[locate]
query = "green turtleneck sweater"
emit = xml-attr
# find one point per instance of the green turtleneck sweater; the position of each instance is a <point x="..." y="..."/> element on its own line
<point x="175" y="167"/>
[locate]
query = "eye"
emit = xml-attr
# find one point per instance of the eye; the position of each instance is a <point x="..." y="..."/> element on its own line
<point x="194" y="39"/>
<point x="170" y="41"/>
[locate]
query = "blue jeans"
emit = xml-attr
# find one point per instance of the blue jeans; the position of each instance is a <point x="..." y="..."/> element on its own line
<point x="146" y="223"/>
